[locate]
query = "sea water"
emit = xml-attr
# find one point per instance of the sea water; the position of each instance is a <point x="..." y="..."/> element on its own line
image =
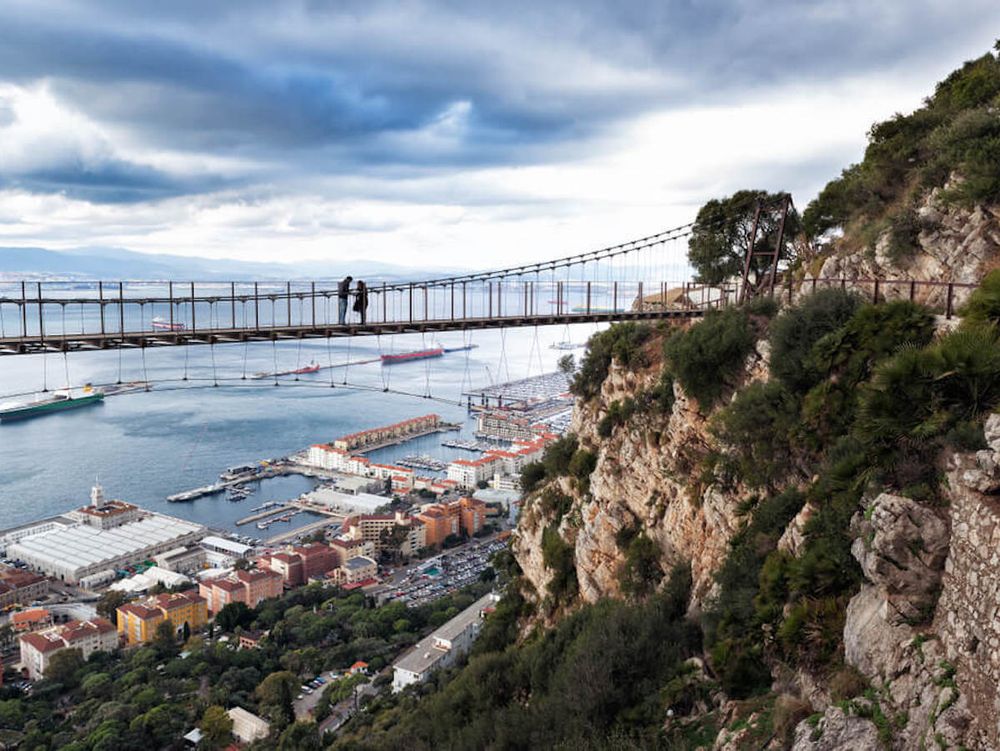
<point x="144" y="446"/>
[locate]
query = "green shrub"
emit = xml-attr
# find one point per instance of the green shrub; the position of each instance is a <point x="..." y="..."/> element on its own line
<point x="532" y="475"/>
<point x="622" y="342"/>
<point x="641" y="572"/>
<point x="904" y="230"/>
<point x="984" y="303"/>
<point x="554" y="505"/>
<point x="765" y="306"/>
<point x="618" y="413"/>
<point x="662" y="394"/>
<point x="732" y="621"/>
<point x="795" y="331"/>
<point x="558" y="557"/>
<point x="558" y="456"/>
<point x="707" y="357"/>
<point x="757" y="428"/>
<point x="582" y="465"/>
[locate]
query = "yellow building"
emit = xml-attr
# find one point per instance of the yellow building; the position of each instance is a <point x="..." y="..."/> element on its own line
<point x="137" y="621"/>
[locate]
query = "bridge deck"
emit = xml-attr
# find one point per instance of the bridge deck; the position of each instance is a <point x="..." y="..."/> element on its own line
<point x="76" y="342"/>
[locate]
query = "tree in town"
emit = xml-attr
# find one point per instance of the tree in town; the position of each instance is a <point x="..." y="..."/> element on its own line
<point x="723" y="229"/>
<point x="107" y="606"/>
<point x="242" y="564"/>
<point x="165" y="637"/>
<point x="64" y="666"/>
<point x="275" y="695"/>
<point x="216" y="727"/>
<point x="233" y="615"/>
<point x="300" y="736"/>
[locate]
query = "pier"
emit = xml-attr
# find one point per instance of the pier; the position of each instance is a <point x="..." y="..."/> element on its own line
<point x="261" y="515"/>
<point x="303" y="530"/>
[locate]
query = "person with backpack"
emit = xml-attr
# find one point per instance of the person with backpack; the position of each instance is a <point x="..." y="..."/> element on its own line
<point x="361" y="300"/>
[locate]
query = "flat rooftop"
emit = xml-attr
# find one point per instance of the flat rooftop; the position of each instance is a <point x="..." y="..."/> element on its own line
<point x="82" y="545"/>
<point x="425" y="654"/>
<point x="365" y="502"/>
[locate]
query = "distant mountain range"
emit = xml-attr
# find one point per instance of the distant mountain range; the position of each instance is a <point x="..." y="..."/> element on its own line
<point x="116" y="263"/>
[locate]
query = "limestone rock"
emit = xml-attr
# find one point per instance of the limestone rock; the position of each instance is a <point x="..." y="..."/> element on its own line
<point x="836" y="731"/>
<point x="901" y="546"/>
<point x="956" y="244"/>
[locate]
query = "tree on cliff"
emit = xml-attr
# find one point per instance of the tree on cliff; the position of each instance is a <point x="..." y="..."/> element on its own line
<point x="722" y="232"/>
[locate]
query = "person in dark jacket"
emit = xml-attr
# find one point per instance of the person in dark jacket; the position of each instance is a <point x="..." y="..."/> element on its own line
<point x="343" y="293"/>
<point x="361" y="300"/>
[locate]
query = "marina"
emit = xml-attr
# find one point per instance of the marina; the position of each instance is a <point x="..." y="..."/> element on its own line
<point x="476" y="446"/>
<point x="274" y="507"/>
<point x="423" y="461"/>
<point x="303" y="530"/>
<point x="519" y="393"/>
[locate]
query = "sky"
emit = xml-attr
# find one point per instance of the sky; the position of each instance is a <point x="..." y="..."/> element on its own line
<point x="460" y="134"/>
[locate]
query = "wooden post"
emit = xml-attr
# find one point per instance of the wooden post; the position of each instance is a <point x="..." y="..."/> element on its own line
<point x="41" y="323"/>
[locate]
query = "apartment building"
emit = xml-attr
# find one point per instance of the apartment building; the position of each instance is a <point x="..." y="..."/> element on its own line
<point x="37" y="648"/>
<point x="138" y="621"/>
<point x="250" y="587"/>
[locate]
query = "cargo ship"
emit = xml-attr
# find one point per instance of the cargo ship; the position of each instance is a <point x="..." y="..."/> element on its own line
<point x="463" y="348"/>
<point x="312" y="367"/>
<point x="420" y="354"/>
<point x="161" y="324"/>
<point x="57" y="402"/>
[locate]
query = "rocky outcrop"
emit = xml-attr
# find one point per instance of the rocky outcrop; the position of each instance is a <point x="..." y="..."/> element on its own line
<point x="901" y="546"/>
<point x="955" y="244"/>
<point x="836" y="731"/>
<point x="925" y="627"/>
<point x="646" y="479"/>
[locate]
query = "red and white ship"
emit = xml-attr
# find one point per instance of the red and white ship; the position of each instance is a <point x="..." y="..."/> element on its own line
<point x="159" y="324"/>
<point x="421" y="354"/>
<point x="312" y="367"/>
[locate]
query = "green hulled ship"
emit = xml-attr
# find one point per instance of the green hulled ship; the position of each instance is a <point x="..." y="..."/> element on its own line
<point x="57" y="402"/>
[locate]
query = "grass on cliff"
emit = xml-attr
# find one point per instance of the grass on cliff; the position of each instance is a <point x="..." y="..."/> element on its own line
<point x="956" y="132"/>
<point x="864" y="400"/>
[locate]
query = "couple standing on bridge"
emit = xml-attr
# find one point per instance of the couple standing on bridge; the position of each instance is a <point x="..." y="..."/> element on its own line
<point x="360" y="298"/>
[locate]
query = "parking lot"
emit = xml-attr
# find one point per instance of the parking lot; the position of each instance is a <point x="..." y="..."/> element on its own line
<point x="309" y="694"/>
<point x="442" y="574"/>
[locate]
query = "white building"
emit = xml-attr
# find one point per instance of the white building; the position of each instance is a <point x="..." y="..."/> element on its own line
<point x="470" y="472"/>
<point x="74" y="551"/>
<point x="248" y="727"/>
<point x="148" y="579"/>
<point x="347" y="503"/>
<point x="443" y="647"/>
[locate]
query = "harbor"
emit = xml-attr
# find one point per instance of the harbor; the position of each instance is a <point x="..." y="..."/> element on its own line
<point x="274" y="507"/>
<point x="520" y="393"/>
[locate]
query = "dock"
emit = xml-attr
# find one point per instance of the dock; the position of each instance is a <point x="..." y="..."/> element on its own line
<point x="519" y="393"/>
<point x="190" y="495"/>
<point x="303" y="530"/>
<point x="261" y="515"/>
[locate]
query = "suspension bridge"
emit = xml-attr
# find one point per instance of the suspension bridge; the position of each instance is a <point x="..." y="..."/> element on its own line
<point x="630" y="281"/>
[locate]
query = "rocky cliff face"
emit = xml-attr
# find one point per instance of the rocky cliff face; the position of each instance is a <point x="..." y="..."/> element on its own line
<point x="925" y="627"/>
<point x="954" y="244"/>
<point x="647" y="479"/>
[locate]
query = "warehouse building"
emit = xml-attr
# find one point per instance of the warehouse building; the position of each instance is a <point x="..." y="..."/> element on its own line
<point x="72" y="552"/>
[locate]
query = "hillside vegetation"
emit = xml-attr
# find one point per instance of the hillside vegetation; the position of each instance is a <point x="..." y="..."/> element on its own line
<point x="952" y="142"/>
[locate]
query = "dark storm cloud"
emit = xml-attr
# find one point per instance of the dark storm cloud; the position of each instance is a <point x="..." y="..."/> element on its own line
<point x="324" y="88"/>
